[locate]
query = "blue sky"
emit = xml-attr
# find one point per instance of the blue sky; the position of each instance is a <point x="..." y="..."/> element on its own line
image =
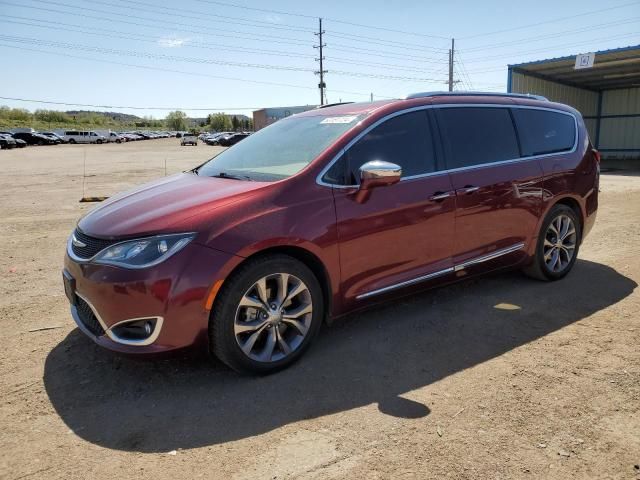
<point x="212" y="55"/>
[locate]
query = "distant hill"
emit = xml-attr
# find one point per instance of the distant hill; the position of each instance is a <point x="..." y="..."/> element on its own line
<point x="117" y="116"/>
<point x="127" y="118"/>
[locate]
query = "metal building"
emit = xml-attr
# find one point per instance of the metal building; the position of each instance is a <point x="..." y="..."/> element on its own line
<point x="604" y="86"/>
<point x="266" y="116"/>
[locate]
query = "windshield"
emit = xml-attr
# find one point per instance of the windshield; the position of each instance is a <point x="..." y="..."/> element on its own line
<point x="281" y="149"/>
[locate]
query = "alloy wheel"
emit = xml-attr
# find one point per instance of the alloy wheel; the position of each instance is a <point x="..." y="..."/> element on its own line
<point x="559" y="243"/>
<point x="273" y="317"/>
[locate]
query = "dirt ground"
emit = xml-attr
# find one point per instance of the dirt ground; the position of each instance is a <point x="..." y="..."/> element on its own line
<point x="502" y="377"/>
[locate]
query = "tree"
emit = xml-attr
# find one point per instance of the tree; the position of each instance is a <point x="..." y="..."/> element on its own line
<point x="219" y="122"/>
<point x="235" y="123"/>
<point x="177" y="120"/>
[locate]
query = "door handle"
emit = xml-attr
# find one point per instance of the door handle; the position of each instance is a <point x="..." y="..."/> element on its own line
<point x="436" y="197"/>
<point x="468" y="189"/>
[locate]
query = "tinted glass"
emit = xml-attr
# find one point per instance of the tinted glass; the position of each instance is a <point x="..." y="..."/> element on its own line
<point x="281" y="149"/>
<point x="542" y="131"/>
<point x="477" y="135"/>
<point x="404" y="140"/>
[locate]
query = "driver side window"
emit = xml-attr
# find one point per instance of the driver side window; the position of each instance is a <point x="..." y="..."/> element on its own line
<point x="404" y="140"/>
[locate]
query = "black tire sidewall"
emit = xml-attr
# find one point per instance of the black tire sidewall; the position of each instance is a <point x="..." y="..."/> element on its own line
<point x="221" y="326"/>
<point x="555" y="211"/>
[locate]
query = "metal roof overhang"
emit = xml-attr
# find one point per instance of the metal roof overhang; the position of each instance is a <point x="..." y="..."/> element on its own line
<point x="617" y="68"/>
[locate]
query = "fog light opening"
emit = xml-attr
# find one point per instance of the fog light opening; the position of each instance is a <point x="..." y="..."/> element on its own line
<point x="135" y="330"/>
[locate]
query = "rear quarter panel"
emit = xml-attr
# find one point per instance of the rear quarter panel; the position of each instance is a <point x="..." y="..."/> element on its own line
<point x="572" y="176"/>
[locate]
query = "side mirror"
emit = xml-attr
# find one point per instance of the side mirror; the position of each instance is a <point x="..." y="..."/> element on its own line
<point x="379" y="174"/>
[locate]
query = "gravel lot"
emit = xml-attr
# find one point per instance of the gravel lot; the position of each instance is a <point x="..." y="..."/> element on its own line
<point x="502" y="377"/>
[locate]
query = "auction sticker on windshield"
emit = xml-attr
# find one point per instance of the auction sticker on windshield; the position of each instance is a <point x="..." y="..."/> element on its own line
<point x="344" y="119"/>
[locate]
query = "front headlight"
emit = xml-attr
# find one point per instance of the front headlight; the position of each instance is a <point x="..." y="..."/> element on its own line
<point x="144" y="252"/>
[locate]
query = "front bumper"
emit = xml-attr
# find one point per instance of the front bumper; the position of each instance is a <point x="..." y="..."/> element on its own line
<point x="173" y="294"/>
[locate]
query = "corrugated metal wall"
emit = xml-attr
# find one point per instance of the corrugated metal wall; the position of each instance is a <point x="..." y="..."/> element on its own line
<point x="585" y="101"/>
<point x="621" y="133"/>
<point x="621" y="102"/>
<point x="615" y="133"/>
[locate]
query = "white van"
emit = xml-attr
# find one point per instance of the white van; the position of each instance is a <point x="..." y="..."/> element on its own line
<point x="77" y="136"/>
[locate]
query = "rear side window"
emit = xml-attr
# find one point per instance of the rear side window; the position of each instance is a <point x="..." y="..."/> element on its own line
<point x="544" y="131"/>
<point x="477" y="135"/>
<point x="404" y="140"/>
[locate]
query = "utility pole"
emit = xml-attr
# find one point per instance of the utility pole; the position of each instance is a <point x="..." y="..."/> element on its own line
<point x="451" y="54"/>
<point x="322" y="71"/>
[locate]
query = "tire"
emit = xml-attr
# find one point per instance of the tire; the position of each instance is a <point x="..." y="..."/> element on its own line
<point x="543" y="267"/>
<point x="99" y="142"/>
<point x="238" y="305"/>
<point x="118" y="141"/>
<point x="72" y="141"/>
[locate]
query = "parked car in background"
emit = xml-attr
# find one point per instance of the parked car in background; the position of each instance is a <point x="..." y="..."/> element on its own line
<point x="229" y="140"/>
<point x="189" y="139"/>
<point x="55" y="139"/>
<point x="35" y="138"/>
<point x="79" y="136"/>
<point x="7" y="141"/>
<point x="214" y="138"/>
<point x="116" y="137"/>
<point x="330" y="211"/>
<point x="55" y="136"/>
<point x="18" y="142"/>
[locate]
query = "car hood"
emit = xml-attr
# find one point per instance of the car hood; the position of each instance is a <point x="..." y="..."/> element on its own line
<point x="177" y="203"/>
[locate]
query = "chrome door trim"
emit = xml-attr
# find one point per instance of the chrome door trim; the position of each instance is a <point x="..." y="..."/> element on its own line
<point x="405" y="284"/>
<point x="319" y="180"/>
<point x="489" y="256"/>
<point x="439" y="273"/>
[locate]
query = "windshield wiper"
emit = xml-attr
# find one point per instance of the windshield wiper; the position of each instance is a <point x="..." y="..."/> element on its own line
<point x="232" y="177"/>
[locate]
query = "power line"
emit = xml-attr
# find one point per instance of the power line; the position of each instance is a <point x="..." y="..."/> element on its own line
<point x="58" y="26"/>
<point x="377" y="40"/>
<point x="290" y="42"/>
<point x="348" y="61"/>
<point x="129" y="53"/>
<point x="49" y="102"/>
<point x="182" y="72"/>
<point x="278" y="26"/>
<point x="261" y="37"/>
<point x="146" y="38"/>
<point x="554" y="35"/>
<point x="176" y="58"/>
<point x="591" y="41"/>
<point x="382" y="53"/>
<point x="344" y="22"/>
<point x="554" y="20"/>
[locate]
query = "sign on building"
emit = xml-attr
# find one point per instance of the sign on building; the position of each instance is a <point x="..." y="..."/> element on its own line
<point x="584" y="60"/>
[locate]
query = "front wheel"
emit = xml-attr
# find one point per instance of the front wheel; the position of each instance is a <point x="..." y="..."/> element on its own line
<point x="558" y="244"/>
<point x="266" y="315"/>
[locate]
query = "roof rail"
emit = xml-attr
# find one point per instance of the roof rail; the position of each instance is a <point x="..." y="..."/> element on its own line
<point x="475" y="94"/>
<point x="333" y="104"/>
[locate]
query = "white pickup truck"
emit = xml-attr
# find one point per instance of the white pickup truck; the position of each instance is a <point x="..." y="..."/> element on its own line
<point x="189" y="139"/>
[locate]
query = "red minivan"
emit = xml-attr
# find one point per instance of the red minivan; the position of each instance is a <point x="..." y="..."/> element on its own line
<point x="330" y="211"/>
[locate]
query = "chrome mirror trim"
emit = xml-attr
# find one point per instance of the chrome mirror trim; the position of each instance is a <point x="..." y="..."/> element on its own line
<point x="379" y="170"/>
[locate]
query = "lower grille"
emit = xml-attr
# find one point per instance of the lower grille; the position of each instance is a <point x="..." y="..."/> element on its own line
<point x="88" y="318"/>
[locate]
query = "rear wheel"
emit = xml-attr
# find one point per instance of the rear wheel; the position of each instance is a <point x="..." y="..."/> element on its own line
<point x="266" y="315"/>
<point x="558" y="245"/>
